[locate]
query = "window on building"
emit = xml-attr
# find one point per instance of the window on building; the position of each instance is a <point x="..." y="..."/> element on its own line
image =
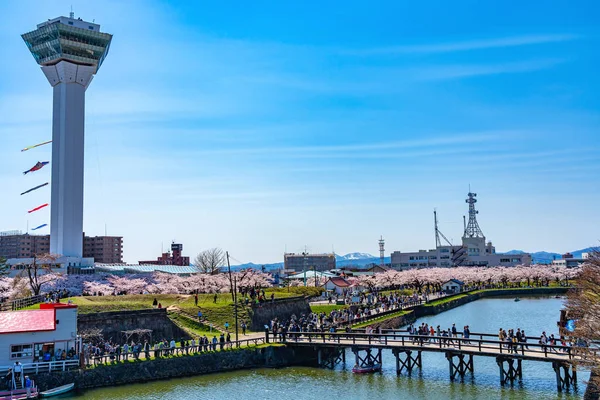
<point x="445" y="257"/>
<point x="444" y="251"/>
<point x="21" y="351"/>
<point x="504" y="260"/>
<point x="411" y="258"/>
<point x="516" y="260"/>
<point x="70" y="22"/>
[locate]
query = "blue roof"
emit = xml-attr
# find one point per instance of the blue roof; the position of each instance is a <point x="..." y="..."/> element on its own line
<point x="136" y="269"/>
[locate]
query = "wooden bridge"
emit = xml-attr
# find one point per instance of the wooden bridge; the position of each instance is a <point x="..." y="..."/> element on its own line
<point x="459" y="352"/>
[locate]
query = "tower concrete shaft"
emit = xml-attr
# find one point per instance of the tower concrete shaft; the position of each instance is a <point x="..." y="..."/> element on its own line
<point x="69" y="51"/>
<point x="69" y="83"/>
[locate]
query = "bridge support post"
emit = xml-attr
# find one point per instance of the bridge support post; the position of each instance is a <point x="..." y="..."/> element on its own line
<point x="511" y="373"/>
<point x="329" y="357"/>
<point x="369" y="359"/>
<point x="409" y="362"/>
<point x="567" y="378"/>
<point x="460" y="366"/>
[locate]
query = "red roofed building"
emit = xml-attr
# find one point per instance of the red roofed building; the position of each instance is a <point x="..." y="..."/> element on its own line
<point x="35" y="335"/>
<point x="338" y="285"/>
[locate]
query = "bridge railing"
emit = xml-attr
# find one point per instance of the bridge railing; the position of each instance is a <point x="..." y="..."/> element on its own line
<point x="111" y="357"/>
<point x="472" y="335"/>
<point x="445" y="343"/>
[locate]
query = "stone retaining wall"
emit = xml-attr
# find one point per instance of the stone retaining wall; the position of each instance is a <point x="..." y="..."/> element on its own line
<point x="282" y="309"/>
<point x="113" y="323"/>
<point x="167" y="368"/>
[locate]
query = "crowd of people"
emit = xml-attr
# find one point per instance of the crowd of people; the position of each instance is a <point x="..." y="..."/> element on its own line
<point x="108" y="351"/>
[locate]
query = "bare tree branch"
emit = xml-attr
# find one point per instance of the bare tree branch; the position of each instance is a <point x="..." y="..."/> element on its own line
<point x="209" y="261"/>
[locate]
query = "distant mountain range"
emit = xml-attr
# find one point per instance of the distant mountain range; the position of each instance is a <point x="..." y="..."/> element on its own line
<point x="363" y="259"/>
<point x="546" y="257"/>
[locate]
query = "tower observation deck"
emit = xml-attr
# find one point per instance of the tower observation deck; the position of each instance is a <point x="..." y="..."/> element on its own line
<point x="70" y="51"/>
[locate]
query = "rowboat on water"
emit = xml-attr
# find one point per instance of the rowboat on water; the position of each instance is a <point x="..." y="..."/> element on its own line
<point x="19" y="394"/>
<point x="367" y="369"/>
<point x="58" y="390"/>
<point x="517" y="299"/>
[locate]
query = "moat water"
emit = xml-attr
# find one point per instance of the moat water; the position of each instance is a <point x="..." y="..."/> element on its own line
<point x="534" y="315"/>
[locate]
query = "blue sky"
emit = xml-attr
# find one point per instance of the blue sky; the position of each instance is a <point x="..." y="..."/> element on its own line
<point x="264" y="126"/>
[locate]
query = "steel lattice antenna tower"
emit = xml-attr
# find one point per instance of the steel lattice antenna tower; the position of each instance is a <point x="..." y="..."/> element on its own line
<point x="382" y="251"/>
<point x="473" y="230"/>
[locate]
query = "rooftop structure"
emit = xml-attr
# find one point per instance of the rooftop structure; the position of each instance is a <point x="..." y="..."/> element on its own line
<point x="69" y="51"/>
<point x="173" y="258"/>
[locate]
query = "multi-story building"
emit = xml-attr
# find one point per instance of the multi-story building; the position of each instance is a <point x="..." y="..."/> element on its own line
<point x="103" y="249"/>
<point x="304" y="261"/>
<point x="474" y="251"/>
<point x="14" y="244"/>
<point x="172" y="258"/>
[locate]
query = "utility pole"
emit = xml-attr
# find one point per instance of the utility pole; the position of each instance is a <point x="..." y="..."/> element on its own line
<point x="233" y="286"/>
<point x="235" y="310"/>
<point x="230" y="280"/>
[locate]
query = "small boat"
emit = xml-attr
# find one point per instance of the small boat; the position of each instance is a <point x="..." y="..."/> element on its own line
<point x="517" y="299"/>
<point x="58" y="390"/>
<point x="368" y="369"/>
<point x="19" y="394"/>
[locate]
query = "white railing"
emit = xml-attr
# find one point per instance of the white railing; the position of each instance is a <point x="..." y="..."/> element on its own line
<point x="47" y="366"/>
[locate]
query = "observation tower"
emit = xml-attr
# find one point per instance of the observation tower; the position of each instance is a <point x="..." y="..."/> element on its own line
<point x="70" y="51"/>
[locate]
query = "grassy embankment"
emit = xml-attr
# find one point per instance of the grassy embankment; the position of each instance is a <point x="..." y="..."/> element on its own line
<point x="380" y="319"/>
<point x="326" y="308"/>
<point x="182" y="309"/>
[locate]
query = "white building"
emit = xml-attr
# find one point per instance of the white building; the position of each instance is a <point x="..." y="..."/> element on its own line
<point x="474" y="250"/>
<point x="338" y="285"/>
<point x="453" y="286"/>
<point x="569" y="261"/>
<point x="32" y="336"/>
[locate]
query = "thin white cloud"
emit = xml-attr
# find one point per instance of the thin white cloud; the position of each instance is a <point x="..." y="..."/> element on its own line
<point x="427" y="142"/>
<point x="467" y="45"/>
<point x="468" y="71"/>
